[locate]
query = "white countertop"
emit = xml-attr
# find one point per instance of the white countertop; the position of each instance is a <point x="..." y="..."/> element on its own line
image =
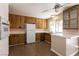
<point x="67" y="35"/>
<point x="42" y="31"/>
<point x="22" y="31"/>
<point x="17" y="31"/>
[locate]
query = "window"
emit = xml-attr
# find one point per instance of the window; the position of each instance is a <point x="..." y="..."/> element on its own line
<point x="56" y="26"/>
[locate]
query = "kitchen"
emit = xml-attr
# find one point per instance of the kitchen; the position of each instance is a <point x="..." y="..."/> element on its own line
<point x="43" y="32"/>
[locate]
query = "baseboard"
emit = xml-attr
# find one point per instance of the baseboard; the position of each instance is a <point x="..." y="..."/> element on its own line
<point x="56" y="52"/>
<point x="16" y="44"/>
<point x="74" y="53"/>
<point x="66" y="55"/>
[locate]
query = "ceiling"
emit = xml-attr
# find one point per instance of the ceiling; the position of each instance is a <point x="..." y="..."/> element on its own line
<point x="35" y="9"/>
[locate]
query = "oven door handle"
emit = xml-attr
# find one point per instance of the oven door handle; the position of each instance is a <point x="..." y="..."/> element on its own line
<point x="4" y="23"/>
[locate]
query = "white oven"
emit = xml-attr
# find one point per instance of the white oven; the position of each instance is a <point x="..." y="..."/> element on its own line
<point x="4" y="28"/>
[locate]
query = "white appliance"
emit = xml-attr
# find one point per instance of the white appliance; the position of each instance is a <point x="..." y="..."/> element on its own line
<point x="4" y="28"/>
<point x="30" y="33"/>
<point x="4" y="36"/>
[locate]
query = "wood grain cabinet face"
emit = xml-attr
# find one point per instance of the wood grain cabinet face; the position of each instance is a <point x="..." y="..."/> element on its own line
<point x="38" y="23"/>
<point x="12" y="22"/>
<point x="22" y="19"/>
<point x="30" y="20"/>
<point x="41" y="24"/>
<point x="17" y="21"/>
<point x="70" y="18"/>
<point x="66" y="15"/>
<point x="40" y="37"/>
<point x="48" y="37"/>
<point x="66" y="19"/>
<point x="73" y="18"/>
<point x="16" y="39"/>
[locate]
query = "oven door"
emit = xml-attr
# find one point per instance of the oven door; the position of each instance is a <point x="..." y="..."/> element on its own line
<point x="4" y="30"/>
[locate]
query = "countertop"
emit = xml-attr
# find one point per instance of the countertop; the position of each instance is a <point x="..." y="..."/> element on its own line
<point x="67" y="35"/>
<point x="17" y="31"/>
<point x="22" y="31"/>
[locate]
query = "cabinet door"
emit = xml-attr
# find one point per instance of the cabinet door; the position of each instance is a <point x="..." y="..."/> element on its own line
<point x="48" y="37"/>
<point x="16" y="39"/>
<point x="73" y="13"/>
<point x="38" y="37"/>
<point x="17" y="22"/>
<point x="41" y="24"/>
<point x="66" y="19"/>
<point x="12" y="20"/>
<point x="66" y="24"/>
<point x="73" y="23"/>
<point x="73" y="17"/>
<point x="42" y="36"/>
<point x="33" y="21"/>
<point x="66" y="15"/>
<point x="22" y="19"/>
<point x="37" y="23"/>
<point x="30" y="20"/>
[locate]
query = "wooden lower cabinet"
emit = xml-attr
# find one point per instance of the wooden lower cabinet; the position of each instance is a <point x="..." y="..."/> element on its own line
<point x="16" y="39"/>
<point x="43" y="37"/>
<point x="40" y="37"/>
<point x="48" y="38"/>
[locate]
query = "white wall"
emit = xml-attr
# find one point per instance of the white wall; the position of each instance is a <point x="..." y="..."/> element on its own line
<point x="4" y="50"/>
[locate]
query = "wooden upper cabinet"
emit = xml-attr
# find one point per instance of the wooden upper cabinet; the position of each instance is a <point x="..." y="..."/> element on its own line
<point x="73" y="13"/>
<point x="30" y="20"/>
<point x="12" y="21"/>
<point x="66" y="15"/>
<point x="17" y="21"/>
<point x="73" y="18"/>
<point x="22" y="20"/>
<point x="37" y="23"/>
<point x="66" y="19"/>
<point x="45" y="24"/>
<point x="41" y="24"/>
<point x="70" y="18"/>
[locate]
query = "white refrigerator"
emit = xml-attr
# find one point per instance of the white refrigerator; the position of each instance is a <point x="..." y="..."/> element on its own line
<point x="30" y="33"/>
